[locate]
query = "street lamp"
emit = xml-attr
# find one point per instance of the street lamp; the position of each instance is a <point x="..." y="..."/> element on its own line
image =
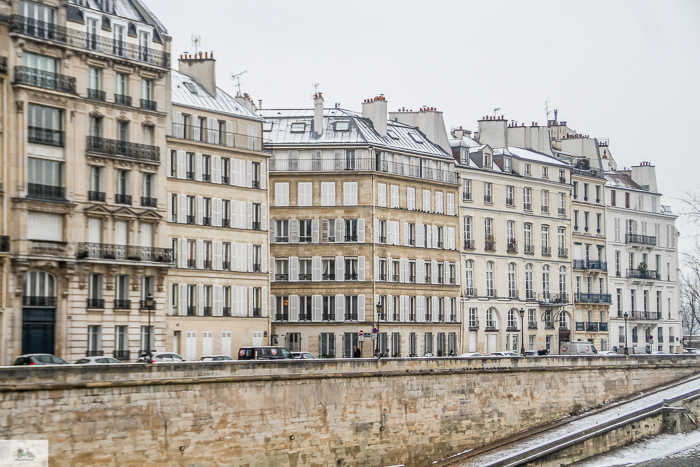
<point x="150" y="305"/>
<point x="522" y="330"/>
<point x="379" y="317"/>
<point x="626" y="316"/>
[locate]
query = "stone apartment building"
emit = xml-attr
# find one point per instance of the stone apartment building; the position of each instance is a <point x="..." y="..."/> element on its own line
<point x="515" y="210"/>
<point x="591" y="296"/>
<point x="363" y="231"/>
<point x="217" y="217"/>
<point x="83" y="179"/>
<point x="642" y="252"/>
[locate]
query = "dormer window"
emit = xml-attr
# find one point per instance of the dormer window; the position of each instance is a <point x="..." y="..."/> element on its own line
<point x="507" y="165"/>
<point x="298" y="127"/>
<point x="107" y="6"/>
<point x="487" y="161"/>
<point x="528" y="169"/>
<point x="416" y="137"/>
<point x="342" y="126"/>
<point x="545" y="172"/>
<point x="392" y="134"/>
<point x="267" y="126"/>
<point x="191" y="87"/>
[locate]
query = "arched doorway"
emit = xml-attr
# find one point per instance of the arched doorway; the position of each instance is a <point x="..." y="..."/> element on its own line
<point x="38" y="312"/>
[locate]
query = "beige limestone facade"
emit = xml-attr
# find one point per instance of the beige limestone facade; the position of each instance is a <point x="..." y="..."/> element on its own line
<point x="218" y="290"/>
<point x="363" y="230"/>
<point x="84" y="178"/>
<point x="5" y="94"/>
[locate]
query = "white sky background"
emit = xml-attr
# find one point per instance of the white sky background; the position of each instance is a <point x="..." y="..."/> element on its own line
<point x="627" y="70"/>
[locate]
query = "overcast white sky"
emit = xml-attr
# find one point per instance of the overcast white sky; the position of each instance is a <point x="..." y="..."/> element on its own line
<point x="627" y="70"/>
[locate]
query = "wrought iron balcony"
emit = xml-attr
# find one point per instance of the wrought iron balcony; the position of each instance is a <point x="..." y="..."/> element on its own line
<point x="207" y="311"/>
<point x="94" y="353"/>
<point x="226" y="265"/>
<point x="469" y="244"/>
<point x="553" y="299"/>
<point x="351" y="238"/>
<point x="304" y="277"/>
<point x="121" y="99"/>
<point x="206" y="220"/>
<point x="121" y="355"/>
<point x="3" y="65"/>
<point x="470" y="291"/>
<point x="46" y="191"/>
<point x="527" y="207"/>
<point x="647" y="274"/>
<point x="45" y="79"/>
<point x="96" y="94"/>
<point x="647" y="240"/>
<point x="466" y="196"/>
<point x="510" y="202"/>
<point x="122" y="304"/>
<point x="532" y="325"/>
<point x="490" y="245"/>
<point x="473" y="324"/>
<point x="38" y="135"/>
<point x="149" y="202"/>
<point x="561" y="211"/>
<point x="28" y="300"/>
<point x="124" y="252"/>
<point x="644" y="315"/>
<point x="544" y="209"/>
<point x="592" y="298"/>
<point x="281" y="316"/>
<point x="281" y="277"/>
<point x="257" y="312"/>
<point x="96" y="196"/>
<point x="529" y="249"/>
<point x="563" y="252"/>
<point x="591" y="264"/>
<point x="546" y="251"/>
<point x="513" y="294"/>
<point x="226" y="311"/>
<point x="191" y="310"/>
<point x="512" y="247"/>
<point x="95" y="303"/>
<point x="548" y="325"/>
<point x="4" y="244"/>
<point x="351" y="277"/>
<point x="122" y="199"/>
<point x="328" y="277"/>
<point x="113" y="147"/>
<point x="492" y="293"/>
<point x="488" y="199"/>
<point x="149" y="105"/>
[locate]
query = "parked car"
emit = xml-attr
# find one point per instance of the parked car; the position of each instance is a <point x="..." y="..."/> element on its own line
<point x="216" y="358"/>
<point x="96" y="360"/>
<point x="506" y="353"/>
<point x="161" y="357"/>
<point x="608" y="353"/>
<point x="263" y="353"/>
<point x="634" y="350"/>
<point x="302" y="355"/>
<point x="532" y="353"/>
<point x="40" y="359"/>
<point x="471" y="355"/>
<point x="691" y="351"/>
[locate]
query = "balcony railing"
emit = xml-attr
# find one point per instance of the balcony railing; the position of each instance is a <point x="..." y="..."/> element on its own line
<point x="546" y="251"/>
<point x="527" y="207"/>
<point x="645" y="315"/>
<point x="513" y="294"/>
<point x="548" y="325"/>
<point x="491" y="293"/>
<point x="122" y="304"/>
<point x="470" y="291"/>
<point x="124" y="252"/>
<point x="593" y="298"/>
<point x="590" y="264"/>
<point x="38" y="135"/>
<point x="94" y="353"/>
<point x="553" y="299"/>
<point x="191" y="310"/>
<point x="39" y="247"/>
<point x="31" y="27"/>
<point x="529" y="249"/>
<point x="149" y="105"/>
<point x="281" y="277"/>
<point x="561" y="211"/>
<point x="473" y="324"/>
<point x="544" y="209"/>
<point x="113" y="147"/>
<point x="97" y="95"/>
<point x="532" y="325"/>
<point x="640" y="239"/>
<point x="510" y="202"/>
<point x="648" y="274"/>
<point x="488" y="199"/>
<point x="350" y="277"/>
<point x="121" y="99"/>
<point x="38" y="301"/>
<point x="469" y="244"/>
<point x="95" y="303"/>
<point x="121" y="355"/>
<point x="512" y="247"/>
<point x="46" y="191"/>
<point x="304" y="277"/>
<point x="120" y="198"/>
<point x="45" y="79"/>
<point x="362" y="165"/>
<point x="149" y="202"/>
<point x="563" y="252"/>
<point x="218" y="137"/>
<point x="3" y="65"/>
<point x="5" y="244"/>
<point x="490" y="245"/>
<point x="328" y="277"/>
<point x="226" y="311"/>
<point x="96" y="196"/>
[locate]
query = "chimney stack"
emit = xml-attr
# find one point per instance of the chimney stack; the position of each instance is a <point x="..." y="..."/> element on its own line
<point x="376" y="110"/>
<point x="318" y="113"/>
<point x="202" y="68"/>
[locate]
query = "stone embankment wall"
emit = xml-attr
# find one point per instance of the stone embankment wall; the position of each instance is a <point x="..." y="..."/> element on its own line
<point x="307" y="413"/>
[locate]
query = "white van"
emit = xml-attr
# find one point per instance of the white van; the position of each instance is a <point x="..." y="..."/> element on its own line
<point x="634" y="350"/>
<point x="577" y="348"/>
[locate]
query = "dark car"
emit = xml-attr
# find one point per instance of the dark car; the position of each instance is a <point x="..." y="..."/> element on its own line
<point x="40" y="359"/>
<point x="263" y="353"/>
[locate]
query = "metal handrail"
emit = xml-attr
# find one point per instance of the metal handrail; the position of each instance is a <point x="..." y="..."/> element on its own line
<point x="119" y="148"/>
<point x="45" y="79"/>
<point x="124" y="252"/>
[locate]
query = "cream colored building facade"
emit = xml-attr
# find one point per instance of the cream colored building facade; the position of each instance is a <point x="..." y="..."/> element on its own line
<point x="84" y="178"/>
<point x="515" y="210"/>
<point x="363" y="229"/>
<point x="217" y="189"/>
<point x="5" y="95"/>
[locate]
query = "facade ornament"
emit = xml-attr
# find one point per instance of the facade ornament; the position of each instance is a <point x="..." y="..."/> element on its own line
<point x="20" y="106"/>
<point x="160" y="278"/>
<point x="136" y="284"/>
<point x="111" y="273"/>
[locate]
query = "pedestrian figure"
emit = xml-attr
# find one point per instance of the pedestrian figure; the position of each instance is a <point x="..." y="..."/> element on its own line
<point x="356" y="352"/>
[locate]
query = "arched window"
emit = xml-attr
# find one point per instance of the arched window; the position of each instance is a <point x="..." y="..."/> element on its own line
<point x="545" y="281"/>
<point x="469" y="267"/>
<point x="491" y="319"/>
<point x="512" y="292"/>
<point x="513" y="318"/>
<point x="562" y="280"/>
<point x="39" y="289"/>
<point x="563" y="322"/>
<point x="490" y="290"/>
<point x="529" y="290"/>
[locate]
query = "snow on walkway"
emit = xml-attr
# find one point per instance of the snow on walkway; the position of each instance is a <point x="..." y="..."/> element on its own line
<point x="580" y="425"/>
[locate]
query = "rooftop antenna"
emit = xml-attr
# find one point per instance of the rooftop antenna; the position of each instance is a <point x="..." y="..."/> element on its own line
<point x="196" y="42"/>
<point x="237" y="77"/>
<point x="315" y="85"/>
<point x="546" y="108"/>
<point x="495" y="111"/>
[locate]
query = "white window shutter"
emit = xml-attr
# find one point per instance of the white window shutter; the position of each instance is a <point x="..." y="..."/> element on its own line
<point x="293" y="308"/>
<point x="182" y="300"/>
<point x="361" y="268"/>
<point x="294" y="269"/>
<point x="233" y="222"/>
<point x="381" y="195"/>
<point x="402" y="308"/>
<point x="242" y="258"/>
<point x="181" y="209"/>
<point x="340" y="308"/>
<point x="361" y="308"/>
<point x="264" y="302"/>
<point x="457" y="273"/>
<point x="339" y="268"/>
<point x="198" y="166"/>
<point x="250" y="258"/>
<point x="389" y="307"/>
<point x="450" y="204"/>
<point x="200" y="299"/>
<point x="316" y="268"/>
<point x="263" y="264"/>
<point x="294" y="231"/>
<point x="216" y="169"/>
<point x="405" y="234"/>
<point x="376" y="268"/>
<point x="168" y="217"/>
<point x="249" y="298"/>
<point x="314" y="230"/>
<point x="181" y="163"/>
<point x="182" y="243"/>
<point x="217" y="263"/>
<point x="195" y="127"/>
<point x="242" y="216"/>
<point x="435" y="236"/>
<point x="234" y="301"/>
<point x="263" y="224"/>
<point x="428" y="241"/>
<point x="249" y="178"/>
<point x="411" y="198"/>
<point x="250" y="215"/>
<point x="361" y="231"/>
<point x="200" y="210"/>
<point x="263" y="176"/>
<point x="229" y="134"/>
<point x="178" y="130"/>
<point x="316" y="307"/>
<point x="419" y="309"/>
<point x="339" y="235"/>
<point x="402" y="269"/>
<point x="419" y="235"/>
<point x="216" y="205"/>
<point x="272" y="269"/>
<point x="433" y="271"/>
<point x="434" y="306"/>
<point x="211" y="128"/>
<point x="376" y="230"/>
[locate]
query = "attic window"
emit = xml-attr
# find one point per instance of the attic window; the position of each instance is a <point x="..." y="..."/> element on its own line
<point x="267" y="126"/>
<point x="416" y="137"/>
<point x="191" y="87"/>
<point x="342" y="126"/>
<point x="298" y="127"/>
<point x="392" y="134"/>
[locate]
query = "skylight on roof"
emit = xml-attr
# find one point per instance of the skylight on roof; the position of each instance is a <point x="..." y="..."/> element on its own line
<point x="416" y="137"/>
<point x="342" y="126"/>
<point x="267" y="126"/>
<point x="298" y="127"/>
<point x="191" y="87"/>
<point x="392" y="134"/>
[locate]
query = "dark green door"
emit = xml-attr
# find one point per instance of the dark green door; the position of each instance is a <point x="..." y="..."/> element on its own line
<point x="38" y="329"/>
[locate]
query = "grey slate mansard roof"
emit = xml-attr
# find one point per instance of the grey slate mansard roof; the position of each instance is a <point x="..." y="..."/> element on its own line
<point x="361" y="132"/>
<point x="133" y="10"/>
<point x="221" y="103"/>
<point x="623" y="181"/>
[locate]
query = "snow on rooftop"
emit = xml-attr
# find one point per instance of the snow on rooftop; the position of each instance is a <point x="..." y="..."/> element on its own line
<point x="535" y="156"/>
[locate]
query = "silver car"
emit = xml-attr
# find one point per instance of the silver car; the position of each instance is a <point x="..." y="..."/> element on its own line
<point x="96" y="360"/>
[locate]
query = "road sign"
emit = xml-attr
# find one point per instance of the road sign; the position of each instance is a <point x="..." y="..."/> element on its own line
<point x="361" y="337"/>
<point x="367" y="334"/>
<point x="374" y="337"/>
<point x="374" y="331"/>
